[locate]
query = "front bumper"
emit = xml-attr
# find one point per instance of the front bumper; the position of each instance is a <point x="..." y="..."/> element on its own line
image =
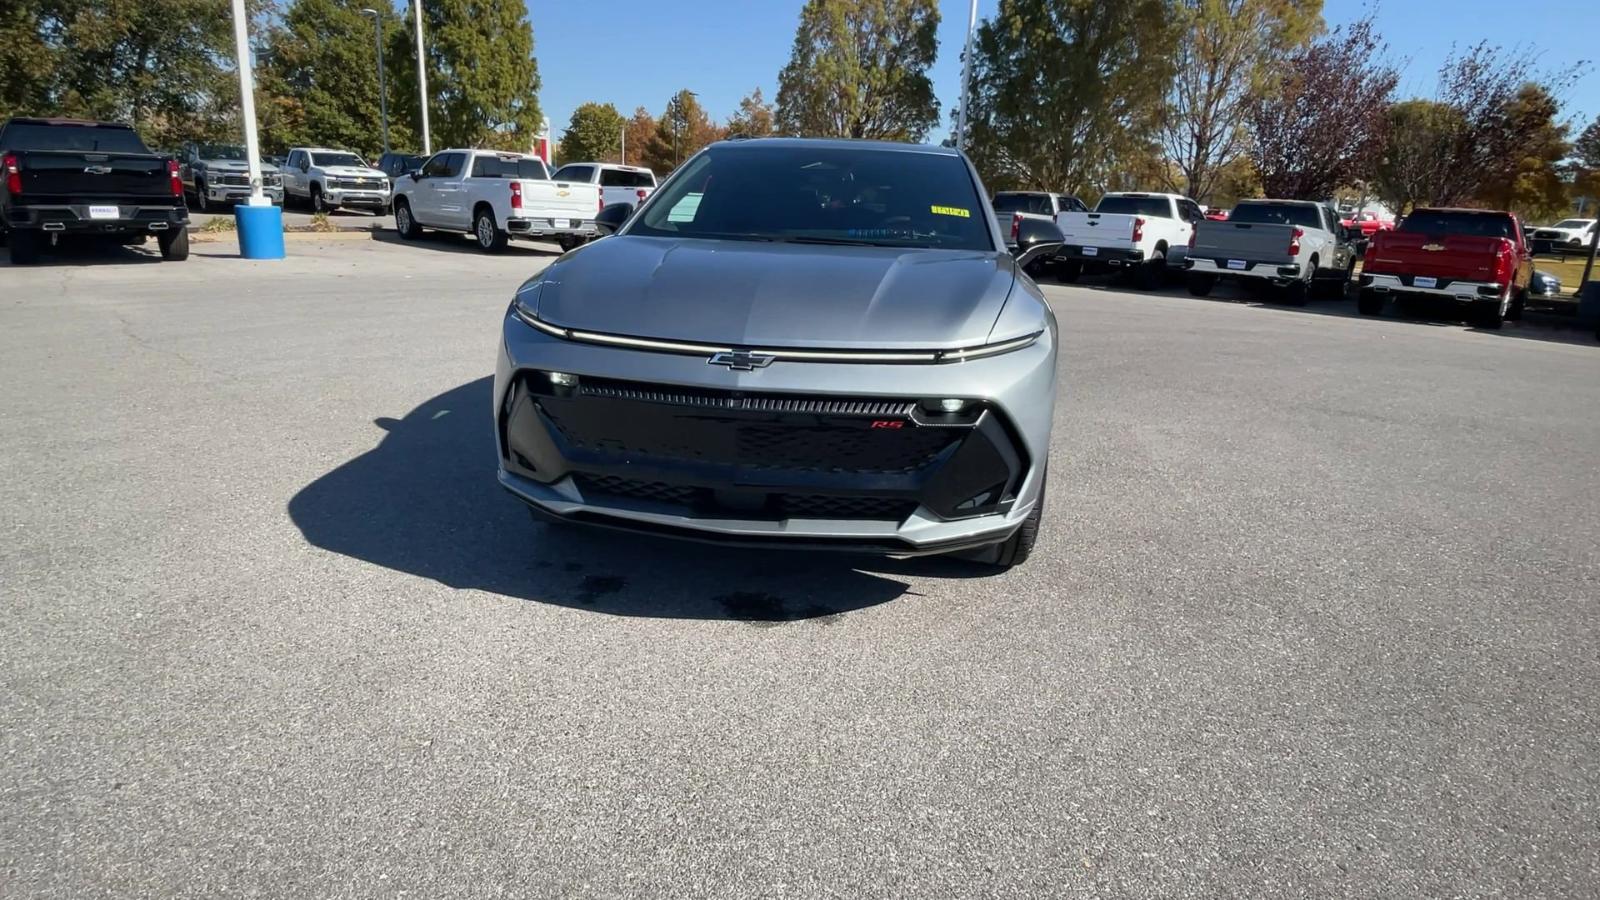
<point x="77" y="219"/>
<point x="237" y="193"/>
<point x="1439" y="289"/>
<point x="375" y="199"/>
<point x="799" y="454"/>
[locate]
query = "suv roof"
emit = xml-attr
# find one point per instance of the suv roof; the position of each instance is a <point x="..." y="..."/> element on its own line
<point x="32" y="120"/>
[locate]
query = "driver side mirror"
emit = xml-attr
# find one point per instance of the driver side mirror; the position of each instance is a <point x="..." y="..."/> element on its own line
<point x="612" y="217"/>
<point x="416" y="175"/>
<point x="1036" y="239"/>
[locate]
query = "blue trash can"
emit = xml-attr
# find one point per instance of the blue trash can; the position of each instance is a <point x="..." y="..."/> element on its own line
<point x="260" y="231"/>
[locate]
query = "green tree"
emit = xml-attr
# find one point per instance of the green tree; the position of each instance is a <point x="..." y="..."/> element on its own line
<point x="1227" y="53"/>
<point x="163" y="66"/>
<point x="28" y="60"/>
<point x="1527" y="174"/>
<point x="1064" y="91"/>
<point x="1586" y="149"/>
<point x="1421" y="134"/>
<point x="320" y="71"/>
<point x="483" y="79"/>
<point x="594" y="134"/>
<point x="680" y="133"/>
<point x="859" y="69"/>
<point x="754" y="118"/>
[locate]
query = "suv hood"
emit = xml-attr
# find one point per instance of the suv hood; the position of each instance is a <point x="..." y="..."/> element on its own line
<point x="778" y="295"/>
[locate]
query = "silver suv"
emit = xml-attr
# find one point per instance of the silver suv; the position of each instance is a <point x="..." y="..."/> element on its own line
<point x="809" y="343"/>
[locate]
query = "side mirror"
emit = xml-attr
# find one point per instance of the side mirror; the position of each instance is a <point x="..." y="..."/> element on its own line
<point x="1036" y="239"/>
<point x="612" y="217"/>
<point x="416" y="175"/>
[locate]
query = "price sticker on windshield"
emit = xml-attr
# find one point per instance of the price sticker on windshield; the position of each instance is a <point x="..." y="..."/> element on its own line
<point x="956" y="211"/>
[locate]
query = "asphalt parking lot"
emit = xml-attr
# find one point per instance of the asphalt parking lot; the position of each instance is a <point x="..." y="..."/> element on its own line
<point x="1313" y="615"/>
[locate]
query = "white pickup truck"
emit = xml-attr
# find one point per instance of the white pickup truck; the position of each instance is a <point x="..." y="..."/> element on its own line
<point x="494" y="196"/>
<point x="618" y="183"/>
<point x="1298" y="247"/>
<point x="1145" y="234"/>
<point x="1011" y="207"/>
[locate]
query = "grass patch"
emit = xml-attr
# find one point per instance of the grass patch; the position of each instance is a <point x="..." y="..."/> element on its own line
<point x="219" y="224"/>
<point x="320" y="223"/>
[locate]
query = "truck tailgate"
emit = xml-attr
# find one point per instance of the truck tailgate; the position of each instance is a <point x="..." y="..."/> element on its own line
<point x="1248" y="241"/>
<point x="1453" y="257"/>
<point x="63" y="176"/>
<point x="559" y="200"/>
<point x="1093" y="229"/>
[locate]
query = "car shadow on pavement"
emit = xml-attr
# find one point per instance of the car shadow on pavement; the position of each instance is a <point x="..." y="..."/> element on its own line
<point x="451" y="242"/>
<point x="92" y="253"/>
<point x="425" y="501"/>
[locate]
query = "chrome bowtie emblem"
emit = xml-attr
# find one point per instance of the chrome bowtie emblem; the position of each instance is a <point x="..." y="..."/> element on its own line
<point x="742" y="361"/>
<point x="97" y="170"/>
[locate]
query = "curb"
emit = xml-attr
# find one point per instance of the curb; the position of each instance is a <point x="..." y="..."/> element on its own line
<point x="212" y="237"/>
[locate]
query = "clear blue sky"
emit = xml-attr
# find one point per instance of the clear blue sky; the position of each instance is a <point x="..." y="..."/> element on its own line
<point x="633" y="53"/>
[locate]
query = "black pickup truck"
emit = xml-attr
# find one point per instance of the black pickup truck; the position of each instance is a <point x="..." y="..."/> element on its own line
<point x="68" y="177"/>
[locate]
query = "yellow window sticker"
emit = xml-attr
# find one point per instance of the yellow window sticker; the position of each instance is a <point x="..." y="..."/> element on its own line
<point x="952" y="211"/>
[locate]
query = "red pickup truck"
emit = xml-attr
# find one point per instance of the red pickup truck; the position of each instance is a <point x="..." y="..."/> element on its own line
<point x="1368" y="223"/>
<point x="1472" y="257"/>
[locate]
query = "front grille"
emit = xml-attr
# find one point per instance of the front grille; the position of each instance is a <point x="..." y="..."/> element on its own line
<point x="748" y="505"/>
<point x="724" y="400"/>
<point x="236" y="180"/>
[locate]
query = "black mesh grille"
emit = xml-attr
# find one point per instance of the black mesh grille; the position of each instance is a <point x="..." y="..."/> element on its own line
<point x="752" y="504"/>
<point x="722" y="400"/>
<point x="236" y="180"/>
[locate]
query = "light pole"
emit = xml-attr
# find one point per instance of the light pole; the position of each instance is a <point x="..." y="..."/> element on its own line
<point x="422" y="84"/>
<point x="966" y="77"/>
<point x="383" y="92"/>
<point x="247" y="102"/>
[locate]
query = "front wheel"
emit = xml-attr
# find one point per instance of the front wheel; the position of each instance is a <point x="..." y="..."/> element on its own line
<point x="490" y="238"/>
<point x="174" y="244"/>
<point x="1014" y="550"/>
<point x="201" y="201"/>
<point x="403" y="222"/>
<point x="317" y="203"/>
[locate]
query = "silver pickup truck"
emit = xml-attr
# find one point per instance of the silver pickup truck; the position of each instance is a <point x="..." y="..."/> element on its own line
<point x="1296" y="246"/>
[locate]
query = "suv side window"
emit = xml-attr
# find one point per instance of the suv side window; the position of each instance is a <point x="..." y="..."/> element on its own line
<point x="443" y="165"/>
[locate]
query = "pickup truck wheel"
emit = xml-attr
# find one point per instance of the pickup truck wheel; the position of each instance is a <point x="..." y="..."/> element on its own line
<point x="24" y="247"/>
<point x="568" y="242"/>
<point x="1370" y="303"/>
<point x="317" y="203"/>
<point x="490" y="238"/>
<point x="1069" y="270"/>
<point x="1200" y="284"/>
<point x="174" y="244"/>
<point x="403" y="223"/>
<point x="1149" y="274"/>
<point x="1490" y="315"/>
<point x="201" y="202"/>
<point x="1519" y="302"/>
<point x="1295" y="293"/>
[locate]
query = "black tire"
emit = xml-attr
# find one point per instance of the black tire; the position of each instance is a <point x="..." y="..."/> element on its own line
<point x="1200" y="284"/>
<point x="1336" y="288"/>
<point x="404" y="224"/>
<point x="24" y="247"/>
<point x="1370" y="303"/>
<point x="1487" y="316"/>
<point x="490" y="237"/>
<point x="317" y="203"/>
<point x="1014" y="550"/>
<point x="568" y="242"/>
<point x="1295" y="293"/>
<point x="174" y="244"/>
<point x="1147" y="277"/>
<point x="1519" y="304"/>
<point x="1068" y="271"/>
<point x="201" y="201"/>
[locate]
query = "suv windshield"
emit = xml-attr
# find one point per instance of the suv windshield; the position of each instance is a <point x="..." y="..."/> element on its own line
<point x="337" y="159"/>
<point x="39" y="136"/>
<point x="1471" y="224"/>
<point x="221" y="151"/>
<point x="1276" y="214"/>
<point x="1157" y="207"/>
<point x="835" y="195"/>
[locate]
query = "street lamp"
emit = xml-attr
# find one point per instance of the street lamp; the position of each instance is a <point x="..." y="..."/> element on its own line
<point x="383" y="92"/>
<point x="422" y="84"/>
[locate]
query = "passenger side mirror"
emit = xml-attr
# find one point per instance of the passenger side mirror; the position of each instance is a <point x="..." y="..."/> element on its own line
<point x="612" y="217"/>
<point x="1037" y="238"/>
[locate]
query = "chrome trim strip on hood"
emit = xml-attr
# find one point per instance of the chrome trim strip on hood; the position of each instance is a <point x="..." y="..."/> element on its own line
<point x="781" y="354"/>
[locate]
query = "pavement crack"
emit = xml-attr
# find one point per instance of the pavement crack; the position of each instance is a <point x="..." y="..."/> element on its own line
<point x="147" y="345"/>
